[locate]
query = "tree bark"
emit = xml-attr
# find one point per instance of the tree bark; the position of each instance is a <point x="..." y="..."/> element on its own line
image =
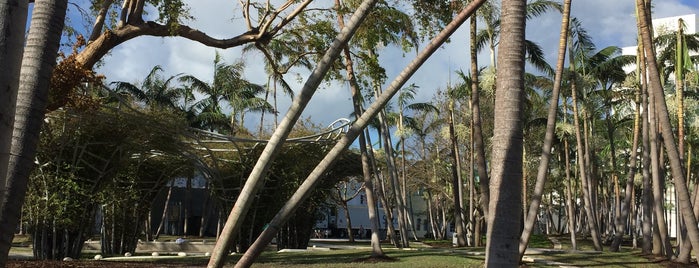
<point x="458" y="221"/>
<point x="37" y="65"/>
<point x="13" y="14"/>
<point x="549" y="136"/>
<point x="647" y="195"/>
<point x="666" y="128"/>
<point x="506" y="183"/>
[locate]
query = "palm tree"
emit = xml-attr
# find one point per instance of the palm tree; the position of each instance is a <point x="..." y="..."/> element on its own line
<point x="406" y="125"/>
<point x="477" y="131"/>
<point x="155" y="92"/>
<point x="37" y="64"/>
<point x="228" y="86"/>
<point x="253" y="183"/>
<point x="621" y="218"/>
<point x="384" y="26"/>
<point x="664" y="120"/>
<point x="489" y="36"/>
<point x="304" y="190"/>
<point x="367" y="157"/>
<point x="506" y="173"/>
<point x="548" y="138"/>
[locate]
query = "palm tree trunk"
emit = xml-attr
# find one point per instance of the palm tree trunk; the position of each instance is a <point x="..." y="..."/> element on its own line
<point x="393" y="175"/>
<point x="569" y="198"/>
<point x="664" y="120"/>
<point x="376" y="250"/>
<point x="390" y="233"/>
<point x="582" y="167"/>
<point x="622" y="217"/>
<point x="458" y="224"/>
<point x="505" y="205"/>
<point x="548" y="137"/>
<point x="13" y="14"/>
<point x="477" y="131"/>
<point x="163" y="218"/>
<point x="38" y="61"/>
<point x="658" y="193"/>
<point x="273" y="147"/>
<point x="205" y="211"/>
<point x="187" y="206"/>
<point x="353" y="132"/>
<point x="647" y="198"/>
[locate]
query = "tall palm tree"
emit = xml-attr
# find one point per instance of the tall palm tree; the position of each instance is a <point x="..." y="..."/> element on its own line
<point x="478" y="146"/>
<point x="625" y="206"/>
<point x="385" y="25"/>
<point x="367" y="174"/>
<point x="664" y="120"/>
<point x="406" y="125"/>
<point x="506" y="173"/>
<point x="489" y="36"/>
<point x="37" y="64"/>
<point x="548" y="137"/>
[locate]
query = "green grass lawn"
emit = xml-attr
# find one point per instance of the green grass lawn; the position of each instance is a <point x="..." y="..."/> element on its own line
<point x="440" y="255"/>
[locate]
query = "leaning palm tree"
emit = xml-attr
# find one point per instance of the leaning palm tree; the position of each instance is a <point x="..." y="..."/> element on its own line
<point x="548" y="136"/>
<point x="664" y="120"/>
<point x="506" y="181"/>
<point x="273" y="147"/>
<point x="304" y="190"/>
<point x="39" y="58"/>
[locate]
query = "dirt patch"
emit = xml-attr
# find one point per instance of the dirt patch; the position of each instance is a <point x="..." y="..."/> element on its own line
<point x="377" y="259"/>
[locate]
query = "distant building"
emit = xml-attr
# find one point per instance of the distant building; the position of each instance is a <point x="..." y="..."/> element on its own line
<point x="663" y="26"/>
<point x="335" y="221"/>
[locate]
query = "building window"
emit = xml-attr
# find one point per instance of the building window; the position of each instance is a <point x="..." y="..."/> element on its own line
<point x="362" y="199"/>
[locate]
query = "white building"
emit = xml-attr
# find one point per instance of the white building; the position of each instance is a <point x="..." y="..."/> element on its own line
<point x="663" y="26"/>
<point x="335" y="219"/>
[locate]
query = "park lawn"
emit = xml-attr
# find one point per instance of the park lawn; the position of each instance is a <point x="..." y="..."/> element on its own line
<point x="355" y="258"/>
<point x="624" y="258"/>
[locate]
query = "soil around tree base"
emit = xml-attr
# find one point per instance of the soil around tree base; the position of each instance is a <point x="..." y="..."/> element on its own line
<point x="375" y="259"/>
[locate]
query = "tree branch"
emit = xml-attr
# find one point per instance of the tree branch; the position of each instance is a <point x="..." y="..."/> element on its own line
<point x="124" y="13"/>
<point x="138" y="10"/>
<point x="291" y="16"/>
<point x="246" y="13"/>
<point x="99" y="20"/>
<point x="94" y="51"/>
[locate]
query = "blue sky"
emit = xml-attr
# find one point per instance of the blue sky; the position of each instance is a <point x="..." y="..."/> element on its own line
<point x="608" y="22"/>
